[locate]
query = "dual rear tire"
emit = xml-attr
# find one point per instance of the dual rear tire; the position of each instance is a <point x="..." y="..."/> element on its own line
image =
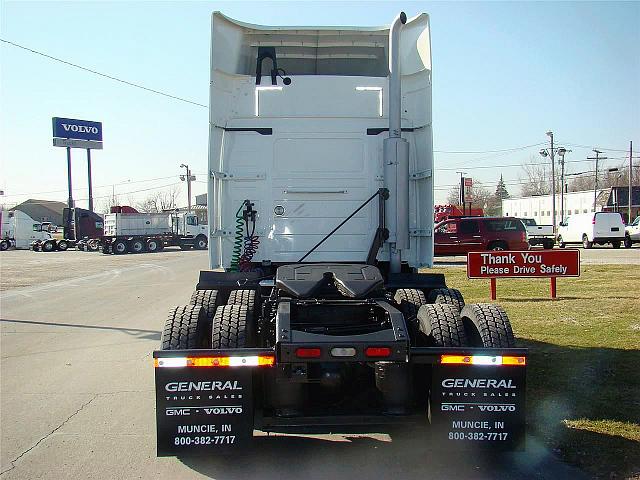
<point x="205" y="323"/>
<point x="482" y="325"/>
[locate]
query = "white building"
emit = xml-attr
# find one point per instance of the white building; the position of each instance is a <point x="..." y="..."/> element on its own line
<point x="540" y="207"/>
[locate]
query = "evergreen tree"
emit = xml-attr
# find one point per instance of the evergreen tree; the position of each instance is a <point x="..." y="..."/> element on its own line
<point x="501" y="190"/>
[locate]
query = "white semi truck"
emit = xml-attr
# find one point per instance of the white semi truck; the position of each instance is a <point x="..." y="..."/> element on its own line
<point x="151" y="232"/>
<point x="19" y="230"/>
<point x="315" y="315"/>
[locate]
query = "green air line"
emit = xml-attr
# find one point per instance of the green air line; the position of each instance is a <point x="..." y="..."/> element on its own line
<point x="238" y="241"/>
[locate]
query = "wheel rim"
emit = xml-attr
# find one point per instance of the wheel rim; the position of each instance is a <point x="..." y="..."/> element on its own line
<point x="137" y="247"/>
<point x="120" y="247"/>
<point x="202" y="244"/>
<point x="498" y="248"/>
<point x="153" y="246"/>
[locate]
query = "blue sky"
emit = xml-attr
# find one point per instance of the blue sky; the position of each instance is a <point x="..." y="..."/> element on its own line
<point x="503" y="74"/>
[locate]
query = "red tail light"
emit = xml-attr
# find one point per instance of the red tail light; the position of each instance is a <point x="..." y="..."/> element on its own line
<point x="593" y="220"/>
<point x="377" y="352"/>
<point x="308" y="352"/>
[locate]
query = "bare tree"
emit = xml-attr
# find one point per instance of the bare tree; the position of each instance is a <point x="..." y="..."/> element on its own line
<point x="108" y="202"/>
<point x="481" y="196"/>
<point x="160" y="200"/>
<point x="536" y="181"/>
<point x="606" y="178"/>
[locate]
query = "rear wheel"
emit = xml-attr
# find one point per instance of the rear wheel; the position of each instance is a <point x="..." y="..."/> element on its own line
<point x="547" y="244"/>
<point x="230" y="327"/>
<point x="201" y="242"/>
<point x="4" y="245"/>
<point x="561" y="244"/>
<point x="409" y="300"/>
<point x="498" y="246"/>
<point x="48" y="246"/>
<point x="487" y="325"/>
<point x="447" y="296"/>
<point x="442" y="325"/>
<point x="243" y="297"/>
<point x="585" y="241"/>
<point x="208" y="299"/>
<point x="184" y="328"/>
<point x="63" y="245"/>
<point x="616" y="243"/>
<point x="627" y="242"/>
<point x="137" y="246"/>
<point x="119" y="247"/>
<point x="152" y="245"/>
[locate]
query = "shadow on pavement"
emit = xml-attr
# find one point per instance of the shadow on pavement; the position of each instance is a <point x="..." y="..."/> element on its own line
<point x="406" y="457"/>
<point x="136" y="332"/>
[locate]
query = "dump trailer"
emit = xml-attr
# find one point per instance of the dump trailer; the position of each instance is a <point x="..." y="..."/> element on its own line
<point x="314" y="315"/>
<point x="135" y="232"/>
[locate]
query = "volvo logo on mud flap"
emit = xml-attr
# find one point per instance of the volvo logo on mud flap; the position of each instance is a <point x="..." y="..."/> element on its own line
<point x="497" y="408"/>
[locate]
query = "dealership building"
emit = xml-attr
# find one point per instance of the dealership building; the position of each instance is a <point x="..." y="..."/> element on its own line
<point x="540" y="208"/>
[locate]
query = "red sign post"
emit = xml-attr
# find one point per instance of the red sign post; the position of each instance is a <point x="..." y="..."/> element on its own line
<point x="523" y="264"/>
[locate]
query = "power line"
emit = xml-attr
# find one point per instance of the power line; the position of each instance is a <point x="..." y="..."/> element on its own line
<point x="100" y="186"/>
<point x="111" y="77"/>
<point x="489" y="151"/>
<point x="591" y="147"/>
<point x="48" y="202"/>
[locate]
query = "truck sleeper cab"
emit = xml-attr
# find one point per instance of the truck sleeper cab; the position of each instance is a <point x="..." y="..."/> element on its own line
<point x="314" y="315"/>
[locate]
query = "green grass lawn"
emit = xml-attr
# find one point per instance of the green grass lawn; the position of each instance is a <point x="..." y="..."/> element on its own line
<point x="583" y="396"/>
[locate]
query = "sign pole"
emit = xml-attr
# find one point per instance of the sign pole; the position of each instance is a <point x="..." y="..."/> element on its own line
<point x="90" y="185"/>
<point x="493" y="288"/>
<point x="70" y="201"/>
<point x="553" y="287"/>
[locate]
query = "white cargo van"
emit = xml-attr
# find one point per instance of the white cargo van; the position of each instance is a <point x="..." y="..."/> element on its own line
<point x="590" y="228"/>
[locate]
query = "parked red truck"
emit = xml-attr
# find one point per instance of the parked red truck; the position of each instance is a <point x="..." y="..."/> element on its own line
<point x="445" y="212"/>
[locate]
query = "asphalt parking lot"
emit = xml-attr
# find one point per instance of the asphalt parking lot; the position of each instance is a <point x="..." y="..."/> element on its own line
<point x="77" y="395"/>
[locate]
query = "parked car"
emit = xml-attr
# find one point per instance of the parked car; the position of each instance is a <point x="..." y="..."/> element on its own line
<point x="632" y="233"/>
<point x="539" y="234"/>
<point x="590" y="228"/>
<point x="457" y="236"/>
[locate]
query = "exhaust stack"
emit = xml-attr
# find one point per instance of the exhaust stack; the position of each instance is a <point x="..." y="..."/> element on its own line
<point x="396" y="156"/>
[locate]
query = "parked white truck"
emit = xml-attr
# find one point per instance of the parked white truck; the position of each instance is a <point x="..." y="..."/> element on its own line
<point x="151" y="232"/>
<point x="539" y="234"/>
<point x="19" y="230"/>
<point x="321" y="320"/>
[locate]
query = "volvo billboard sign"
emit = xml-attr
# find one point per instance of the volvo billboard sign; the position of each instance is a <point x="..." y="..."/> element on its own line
<point x="73" y="133"/>
<point x="70" y="132"/>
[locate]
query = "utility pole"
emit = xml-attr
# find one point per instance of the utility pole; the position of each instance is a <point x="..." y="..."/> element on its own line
<point x="461" y="196"/>
<point x="553" y="183"/>
<point x="562" y="152"/>
<point x="629" y="219"/>
<point x="597" y="158"/>
<point x="188" y="178"/>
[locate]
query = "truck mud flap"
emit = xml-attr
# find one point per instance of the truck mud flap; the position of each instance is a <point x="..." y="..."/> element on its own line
<point x="204" y="399"/>
<point x="478" y="400"/>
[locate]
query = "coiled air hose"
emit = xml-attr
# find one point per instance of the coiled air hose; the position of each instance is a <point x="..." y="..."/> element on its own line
<point x="245" y="243"/>
<point x="238" y="241"/>
<point x="251" y="243"/>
